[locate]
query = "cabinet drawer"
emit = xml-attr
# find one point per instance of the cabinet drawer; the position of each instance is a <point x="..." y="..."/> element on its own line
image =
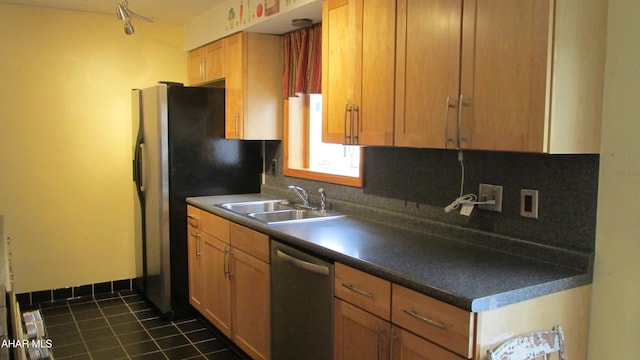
<point x="194" y="217"/>
<point x="444" y="324"/>
<point x="215" y="226"/>
<point x="364" y="290"/>
<point x="250" y="241"/>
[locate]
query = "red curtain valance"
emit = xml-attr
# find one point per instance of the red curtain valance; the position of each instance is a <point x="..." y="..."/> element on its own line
<point x="302" y="61"/>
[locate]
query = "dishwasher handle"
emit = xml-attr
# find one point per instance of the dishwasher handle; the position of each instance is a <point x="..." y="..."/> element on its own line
<point x="305" y="265"/>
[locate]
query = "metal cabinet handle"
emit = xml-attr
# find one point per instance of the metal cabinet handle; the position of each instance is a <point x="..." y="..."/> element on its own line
<point x="460" y="121"/>
<point x="393" y="339"/>
<point x="227" y="254"/>
<point x="193" y="217"/>
<point x="424" y="319"/>
<point x="305" y="265"/>
<point x="347" y="117"/>
<point x="355" y="125"/>
<point x="204" y="68"/>
<point x="383" y="336"/>
<point x="358" y="291"/>
<point x="196" y="238"/>
<point x="447" y="140"/>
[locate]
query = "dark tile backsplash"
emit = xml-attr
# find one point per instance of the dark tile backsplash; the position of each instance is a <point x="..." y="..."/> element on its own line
<point x="424" y="181"/>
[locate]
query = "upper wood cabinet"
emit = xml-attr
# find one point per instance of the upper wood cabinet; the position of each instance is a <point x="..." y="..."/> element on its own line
<point x="538" y="89"/>
<point x="500" y="75"/>
<point x="358" y="51"/>
<point x="253" y="83"/>
<point x="428" y="72"/>
<point x="206" y="63"/>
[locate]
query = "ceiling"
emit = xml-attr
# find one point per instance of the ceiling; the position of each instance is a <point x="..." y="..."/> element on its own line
<point x="166" y="10"/>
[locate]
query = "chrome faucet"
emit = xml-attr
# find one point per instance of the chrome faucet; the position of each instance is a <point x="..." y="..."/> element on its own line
<point x="323" y="200"/>
<point x="301" y="193"/>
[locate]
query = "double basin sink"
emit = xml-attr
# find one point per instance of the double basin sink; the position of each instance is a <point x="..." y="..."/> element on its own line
<point x="278" y="211"/>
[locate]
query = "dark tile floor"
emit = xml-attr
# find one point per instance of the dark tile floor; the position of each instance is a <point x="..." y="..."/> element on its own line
<point x="123" y="326"/>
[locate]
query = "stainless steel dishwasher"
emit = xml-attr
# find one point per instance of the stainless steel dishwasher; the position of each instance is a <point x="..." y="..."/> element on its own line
<point x="301" y="305"/>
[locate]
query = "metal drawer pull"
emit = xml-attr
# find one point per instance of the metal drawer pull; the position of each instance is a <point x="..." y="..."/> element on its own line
<point x="424" y="319"/>
<point x="318" y="269"/>
<point x="193" y="217"/>
<point x="357" y="291"/>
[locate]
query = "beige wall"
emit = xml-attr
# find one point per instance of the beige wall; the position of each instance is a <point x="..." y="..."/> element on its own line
<point x="65" y="139"/>
<point x="615" y="311"/>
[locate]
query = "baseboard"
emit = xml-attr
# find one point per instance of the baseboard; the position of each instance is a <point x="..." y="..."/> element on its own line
<point x="88" y="290"/>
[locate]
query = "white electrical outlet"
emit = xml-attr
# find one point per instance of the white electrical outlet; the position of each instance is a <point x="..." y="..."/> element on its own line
<point x="490" y="192"/>
<point x="529" y="203"/>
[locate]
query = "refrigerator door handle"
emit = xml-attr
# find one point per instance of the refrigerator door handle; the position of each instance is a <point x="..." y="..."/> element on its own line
<point x="137" y="167"/>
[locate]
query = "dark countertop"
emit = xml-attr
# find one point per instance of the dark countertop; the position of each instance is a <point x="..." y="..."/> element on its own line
<point x="470" y="277"/>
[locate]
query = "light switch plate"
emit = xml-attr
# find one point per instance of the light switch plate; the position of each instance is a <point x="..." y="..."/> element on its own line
<point x="529" y="203"/>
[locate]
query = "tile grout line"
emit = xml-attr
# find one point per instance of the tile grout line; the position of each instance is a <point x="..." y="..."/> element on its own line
<point x="75" y="322"/>
<point x="109" y="324"/>
<point x="147" y="331"/>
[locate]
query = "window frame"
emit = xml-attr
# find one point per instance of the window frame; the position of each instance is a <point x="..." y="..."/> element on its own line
<point x="305" y="173"/>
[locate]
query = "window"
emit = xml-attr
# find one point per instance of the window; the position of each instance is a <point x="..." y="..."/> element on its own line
<point x="306" y="156"/>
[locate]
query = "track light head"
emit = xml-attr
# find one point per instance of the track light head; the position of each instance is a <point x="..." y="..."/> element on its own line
<point x="123" y="13"/>
<point x="128" y="28"/>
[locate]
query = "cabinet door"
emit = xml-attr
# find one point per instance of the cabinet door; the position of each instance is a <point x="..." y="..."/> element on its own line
<point x="428" y="68"/>
<point x="196" y="263"/>
<point x="407" y="346"/>
<point x="215" y="61"/>
<point x="505" y="74"/>
<point x="359" y="334"/>
<point x="251" y="305"/>
<point x="196" y="66"/>
<point x="217" y="285"/>
<point x="339" y="63"/>
<point x="358" y="71"/>
<point x="375" y="35"/>
<point x="234" y="86"/>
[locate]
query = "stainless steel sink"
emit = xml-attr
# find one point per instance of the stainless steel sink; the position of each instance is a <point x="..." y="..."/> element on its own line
<point x="257" y="206"/>
<point x="278" y="211"/>
<point x="295" y="215"/>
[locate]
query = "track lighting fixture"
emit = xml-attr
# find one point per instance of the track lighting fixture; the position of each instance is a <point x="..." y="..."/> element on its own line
<point x="124" y="13"/>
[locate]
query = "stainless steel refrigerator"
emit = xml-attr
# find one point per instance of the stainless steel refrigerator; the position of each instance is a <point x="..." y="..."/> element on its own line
<point x="179" y="151"/>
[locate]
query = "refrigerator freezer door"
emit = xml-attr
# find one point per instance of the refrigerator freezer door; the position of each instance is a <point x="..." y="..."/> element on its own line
<point x="180" y="153"/>
<point x="154" y="244"/>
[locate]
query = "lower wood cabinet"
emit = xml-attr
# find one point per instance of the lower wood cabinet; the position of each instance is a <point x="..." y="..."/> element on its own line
<point x="417" y="326"/>
<point x="229" y="283"/>
<point x="359" y="335"/>
<point x="250" y="311"/>
<point x="229" y="279"/>
<point x="196" y="271"/>
<point x="217" y="285"/>
<point x="365" y="326"/>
